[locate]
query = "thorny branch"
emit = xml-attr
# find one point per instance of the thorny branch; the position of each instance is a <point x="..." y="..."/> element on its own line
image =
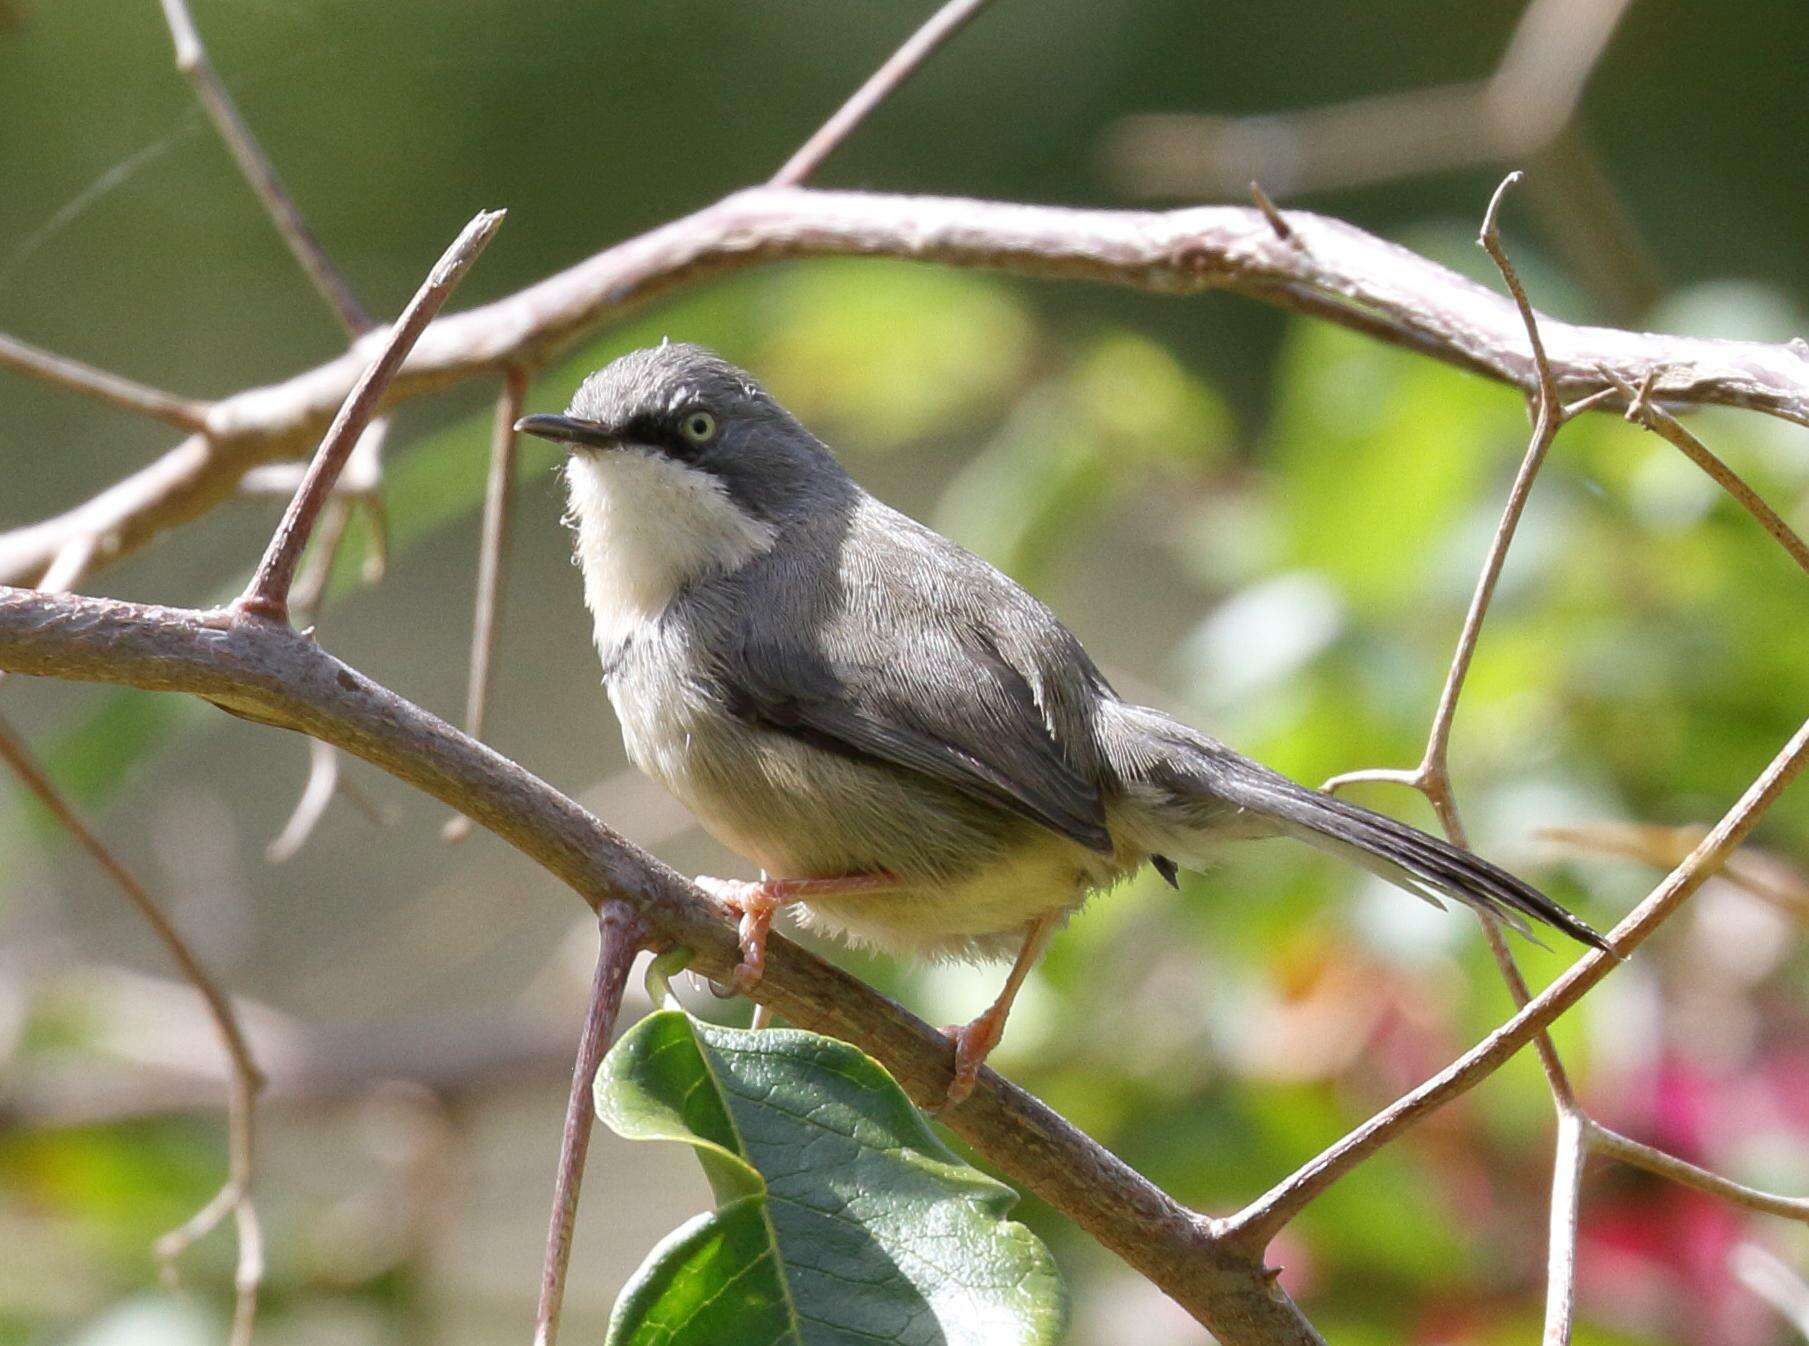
<point x="234" y="1197"/>
<point x="1432" y="777"/>
<point x="270" y="673"/>
<point x="1261" y="1219"/>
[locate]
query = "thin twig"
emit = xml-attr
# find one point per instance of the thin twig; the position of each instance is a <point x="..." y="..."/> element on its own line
<point x="1432" y="777"/>
<point x="1765" y="874"/>
<point x="950" y="19"/>
<point x="1260" y="1220"/>
<point x="255" y="166"/>
<point x="492" y="564"/>
<point x="621" y="935"/>
<point x="1530" y="99"/>
<point x="325" y="780"/>
<point x="1270" y="213"/>
<point x="181" y="412"/>
<point x="1629" y="1151"/>
<point x="70" y="566"/>
<point x="244" y="1078"/>
<point x="268" y="593"/>
<point x="1572" y="1152"/>
<point x="318" y="789"/>
<point x="1643" y="411"/>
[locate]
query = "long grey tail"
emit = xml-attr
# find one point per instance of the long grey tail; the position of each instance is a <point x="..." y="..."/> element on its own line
<point x="1410" y="858"/>
<point x="1216" y="776"/>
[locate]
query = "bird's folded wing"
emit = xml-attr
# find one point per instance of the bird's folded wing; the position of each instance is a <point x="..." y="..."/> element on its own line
<point x="955" y="710"/>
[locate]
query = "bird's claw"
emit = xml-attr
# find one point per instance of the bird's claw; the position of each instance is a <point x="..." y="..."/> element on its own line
<point x="755" y="904"/>
<point x="973" y="1044"/>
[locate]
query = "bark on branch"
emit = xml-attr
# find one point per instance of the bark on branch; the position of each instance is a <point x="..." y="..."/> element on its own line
<point x="1324" y="267"/>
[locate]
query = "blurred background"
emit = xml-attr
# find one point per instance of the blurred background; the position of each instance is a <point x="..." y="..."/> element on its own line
<point x="1266" y="525"/>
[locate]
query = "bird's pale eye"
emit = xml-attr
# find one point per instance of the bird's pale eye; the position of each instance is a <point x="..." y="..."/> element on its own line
<point x="698" y="426"/>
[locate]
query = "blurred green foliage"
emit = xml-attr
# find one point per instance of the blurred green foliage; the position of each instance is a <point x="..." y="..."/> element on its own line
<point x="1270" y="527"/>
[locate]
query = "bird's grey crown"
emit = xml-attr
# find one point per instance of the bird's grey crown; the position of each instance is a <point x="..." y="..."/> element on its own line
<point x="661" y="380"/>
<point x="769" y="463"/>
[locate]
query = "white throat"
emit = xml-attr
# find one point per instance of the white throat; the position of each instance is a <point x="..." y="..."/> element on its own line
<point x="646" y="527"/>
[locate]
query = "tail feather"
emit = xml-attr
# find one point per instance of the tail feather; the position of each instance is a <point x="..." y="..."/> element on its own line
<point x="1406" y="856"/>
<point x="1210" y="792"/>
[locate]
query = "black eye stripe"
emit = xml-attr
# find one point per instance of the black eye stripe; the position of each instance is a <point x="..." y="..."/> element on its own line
<point x="666" y="433"/>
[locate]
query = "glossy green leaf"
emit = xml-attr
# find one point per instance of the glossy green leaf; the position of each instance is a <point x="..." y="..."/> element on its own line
<point x="840" y="1217"/>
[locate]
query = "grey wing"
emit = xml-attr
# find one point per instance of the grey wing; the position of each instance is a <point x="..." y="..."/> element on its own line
<point x="917" y="686"/>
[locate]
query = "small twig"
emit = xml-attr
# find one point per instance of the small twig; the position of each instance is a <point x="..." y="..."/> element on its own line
<point x="1270" y="213"/>
<point x="1643" y="411"/>
<point x="268" y="594"/>
<point x="1432" y="777"/>
<point x="1765" y="874"/>
<point x="317" y="792"/>
<point x="316" y="569"/>
<point x="1561" y="1244"/>
<point x="70" y="565"/>
<point x="245" y="1078"/>
<point x="950" y="19"/>
<point x="622" y="933"/>
<point x="1259" y="1221"/>
<point x="1629" y="1151"/>
<point x="492" y="564"/>
<point x="181" y="412"/>
<point x="325" y="779"/>
<point x="255" y="166"/>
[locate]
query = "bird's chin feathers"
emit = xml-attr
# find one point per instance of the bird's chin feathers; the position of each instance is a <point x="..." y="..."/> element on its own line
<point x="647" y="526"/>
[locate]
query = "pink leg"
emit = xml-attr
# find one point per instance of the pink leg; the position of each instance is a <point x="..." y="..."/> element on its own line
<point x="757" y="902"/>
<point x="975" y="1042"/>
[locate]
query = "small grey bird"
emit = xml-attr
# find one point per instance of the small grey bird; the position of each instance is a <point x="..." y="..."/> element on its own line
<point x="911" y="747"/>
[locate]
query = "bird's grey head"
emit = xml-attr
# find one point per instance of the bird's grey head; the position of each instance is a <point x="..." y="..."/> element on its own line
<point x="681" y="466"/>
<point x="695" y="412"/>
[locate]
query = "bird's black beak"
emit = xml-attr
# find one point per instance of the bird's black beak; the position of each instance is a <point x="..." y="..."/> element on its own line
<point x="569" y="430"/>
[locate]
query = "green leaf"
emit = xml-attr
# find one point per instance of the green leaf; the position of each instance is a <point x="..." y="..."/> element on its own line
<point x="841" y="1219"/>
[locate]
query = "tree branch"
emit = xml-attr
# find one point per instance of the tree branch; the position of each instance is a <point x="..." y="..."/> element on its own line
<point x="181" y="412"/>
<point x="255" y="166"/>
<point x="492" y="564"/>
<point x="1261" y="1219"/>
<point x="244" y="1078"/>
<point x="950" y="19"/>
<point x="1629" y="1151"/>
<point x="1570" y="1154"/>
<point x="268" y="672"/>
<point x="1327" y="268"/>
<point x="268" y="593"/>
<point x="621" y="937"/>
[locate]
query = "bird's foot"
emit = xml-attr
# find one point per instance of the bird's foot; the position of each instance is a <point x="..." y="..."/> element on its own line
<point x="973" y="1044"/>
<point x="756" y="902"/>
